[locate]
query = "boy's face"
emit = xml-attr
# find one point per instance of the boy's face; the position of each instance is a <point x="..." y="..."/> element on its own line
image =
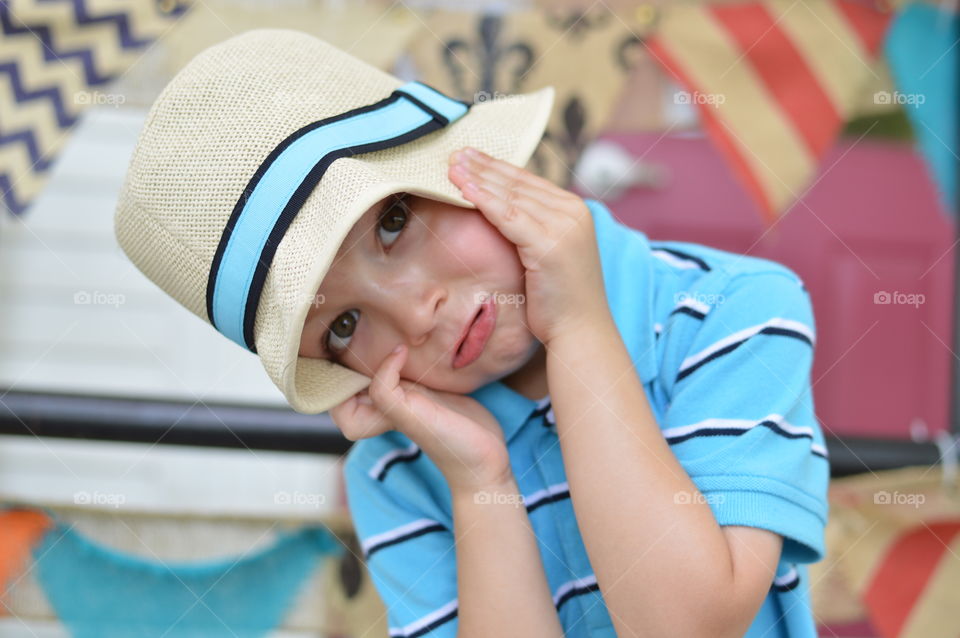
<point x="415" y="270"/>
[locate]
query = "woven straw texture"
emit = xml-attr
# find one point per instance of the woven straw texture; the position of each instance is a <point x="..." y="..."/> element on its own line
<point x="209" y="131"/>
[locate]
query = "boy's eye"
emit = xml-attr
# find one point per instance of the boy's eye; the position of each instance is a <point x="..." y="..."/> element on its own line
<point x="392" y="220"/>
<point x="341" y="330"/>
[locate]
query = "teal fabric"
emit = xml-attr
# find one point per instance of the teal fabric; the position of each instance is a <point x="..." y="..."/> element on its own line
<point x="101" y="593"/>
<point x="921" y="48"/>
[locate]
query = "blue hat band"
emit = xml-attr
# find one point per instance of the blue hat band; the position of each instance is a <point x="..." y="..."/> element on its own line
<point x="284" y="181"/>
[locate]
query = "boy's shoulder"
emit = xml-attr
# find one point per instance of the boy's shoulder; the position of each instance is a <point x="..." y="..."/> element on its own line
<point x="696" y="279"/>
<point x="681" y="262"/>
<point x="690" y="262"/>
<point x="706" y="297"/>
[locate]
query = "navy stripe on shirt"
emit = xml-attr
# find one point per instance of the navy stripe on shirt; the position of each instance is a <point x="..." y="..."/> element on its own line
<point x="788" y="581"/>
<point x="428" y="623"/>
<point x="400" y="534"/>
<point x="448" y="612"/>
<point x="551" y="494"/>
<point x="410" y="453"/>
<point x="774" y="327"/>
<point x="736" y="427"/>
<point x="575" y="588"/>
<point x="687" y="257"/>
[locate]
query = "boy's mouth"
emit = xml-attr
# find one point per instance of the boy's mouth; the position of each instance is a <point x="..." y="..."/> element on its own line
<point x="475" y="334"/>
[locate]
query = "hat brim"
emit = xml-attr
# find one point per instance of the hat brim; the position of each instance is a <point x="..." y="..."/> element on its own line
<point x="508" y="128"/>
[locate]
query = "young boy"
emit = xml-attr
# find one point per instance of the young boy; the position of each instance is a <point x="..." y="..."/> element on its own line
<point x="562" y="427"/>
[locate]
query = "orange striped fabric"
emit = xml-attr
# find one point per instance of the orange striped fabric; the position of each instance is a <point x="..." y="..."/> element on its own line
<point x="20" y="530"/>
<point x="918" y="573"/>
<point x="773" y="82"/>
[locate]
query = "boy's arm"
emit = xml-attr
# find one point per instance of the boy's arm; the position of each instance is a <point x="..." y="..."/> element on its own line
<point x="501" y="583"/>
<point x="659" y="555"/>
<point x="664" y="563"/>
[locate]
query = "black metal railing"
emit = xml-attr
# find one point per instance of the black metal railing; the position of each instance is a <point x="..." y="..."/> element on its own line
<point x="157" y="421"/>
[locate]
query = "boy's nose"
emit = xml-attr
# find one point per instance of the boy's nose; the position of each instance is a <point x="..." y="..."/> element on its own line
<point x="417" y="314"/>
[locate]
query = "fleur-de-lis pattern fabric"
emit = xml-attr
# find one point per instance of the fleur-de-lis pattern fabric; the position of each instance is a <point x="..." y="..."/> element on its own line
<point x="585" y="54"/>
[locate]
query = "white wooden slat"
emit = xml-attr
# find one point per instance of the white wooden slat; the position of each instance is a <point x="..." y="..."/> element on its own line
<point x="132" y="477"/>
<point x="37" y="628"/>
<point x="76" y="315"/>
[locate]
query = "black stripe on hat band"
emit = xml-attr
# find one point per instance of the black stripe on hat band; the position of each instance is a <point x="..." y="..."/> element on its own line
<point x="300" y="195"/>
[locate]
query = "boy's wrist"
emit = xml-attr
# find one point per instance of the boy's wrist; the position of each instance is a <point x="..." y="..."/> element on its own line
<point x="493" y="490"/>
<point x="589" y="323"/>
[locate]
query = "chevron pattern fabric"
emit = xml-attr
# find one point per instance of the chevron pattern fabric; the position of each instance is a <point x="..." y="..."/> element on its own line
<point x="55" y="58"/>
<point x="773" y="81"/>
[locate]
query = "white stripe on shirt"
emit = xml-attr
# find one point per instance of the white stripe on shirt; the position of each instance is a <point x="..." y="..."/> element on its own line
<point x="693" y="304"/>
<point x="746" y="333"/>
<point x="396" y="532"/>
<point x="381" y="463"/>
<point x="568" y="586"/>
<point x="673" y="260"/>
<point x="737" y="424"/>
<point x="547" y="492"/>
<point x="681" y="431"/>
<point x="420" y="623"/>
<point x="786" y="578"/>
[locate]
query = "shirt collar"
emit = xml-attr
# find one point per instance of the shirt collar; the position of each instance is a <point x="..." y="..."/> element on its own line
<point x="625" y="259"/>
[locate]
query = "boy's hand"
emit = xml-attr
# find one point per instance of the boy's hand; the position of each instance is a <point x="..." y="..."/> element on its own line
<point x="459" y="435"/>
<point x="554" y="234"/>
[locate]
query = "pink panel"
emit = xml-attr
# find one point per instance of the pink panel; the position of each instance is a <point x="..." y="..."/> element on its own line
<point x="869" y="223"/>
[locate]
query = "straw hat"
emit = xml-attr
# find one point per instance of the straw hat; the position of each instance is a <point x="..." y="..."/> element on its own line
<point x="256" y="160"/>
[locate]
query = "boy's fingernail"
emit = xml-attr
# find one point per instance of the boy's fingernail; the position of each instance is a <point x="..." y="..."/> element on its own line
<point x="397" y="349"/>
<point x="472" y="152"/>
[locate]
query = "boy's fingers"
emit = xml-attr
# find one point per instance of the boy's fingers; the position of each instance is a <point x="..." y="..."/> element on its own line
<point x="484" y="174"/>
<point x="509" y="212"/>
<point x="357" y="414"/>
<point x="385" y="388"/>
<point x="533" y="200"/>
<point x="363" y="398"/>
<point x="512" y="171"/>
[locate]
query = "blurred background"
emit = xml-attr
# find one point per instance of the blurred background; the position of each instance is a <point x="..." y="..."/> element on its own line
<point x="150" y="470"/>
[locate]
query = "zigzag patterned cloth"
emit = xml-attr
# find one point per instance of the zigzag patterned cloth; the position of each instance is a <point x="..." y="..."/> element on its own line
<point x="774" y="81"/>
<point x="53" y="56"/>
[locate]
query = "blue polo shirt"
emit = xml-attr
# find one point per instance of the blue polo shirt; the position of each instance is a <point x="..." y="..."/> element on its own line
<point x="723" y="344"/>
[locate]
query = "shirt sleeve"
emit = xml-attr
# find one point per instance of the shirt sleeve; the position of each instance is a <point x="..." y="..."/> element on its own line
<point x="408" y="549"/>
<point x="741" y="419"/>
